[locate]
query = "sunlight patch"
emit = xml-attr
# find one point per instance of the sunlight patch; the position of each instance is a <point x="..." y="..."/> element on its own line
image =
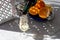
<point x="10" y="35"/>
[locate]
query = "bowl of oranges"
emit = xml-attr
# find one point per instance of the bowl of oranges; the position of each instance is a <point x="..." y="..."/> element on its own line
<point x="41" y="11"/>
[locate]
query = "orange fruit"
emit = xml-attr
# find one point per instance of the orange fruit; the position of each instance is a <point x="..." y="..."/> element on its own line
<point x="37" y="5"/>
<point x="40" y="4"/>
<point x="44" y="12"/>
<point x="33" y="10"/>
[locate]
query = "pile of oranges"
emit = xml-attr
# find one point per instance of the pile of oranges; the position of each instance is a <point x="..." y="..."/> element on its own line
<point x="40" y="8"/>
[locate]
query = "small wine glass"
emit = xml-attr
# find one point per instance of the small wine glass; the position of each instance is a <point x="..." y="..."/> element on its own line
<point x="23" y="24"/>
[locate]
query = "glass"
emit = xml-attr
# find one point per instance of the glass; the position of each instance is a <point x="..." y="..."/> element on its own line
<point x="23" y="24"/>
